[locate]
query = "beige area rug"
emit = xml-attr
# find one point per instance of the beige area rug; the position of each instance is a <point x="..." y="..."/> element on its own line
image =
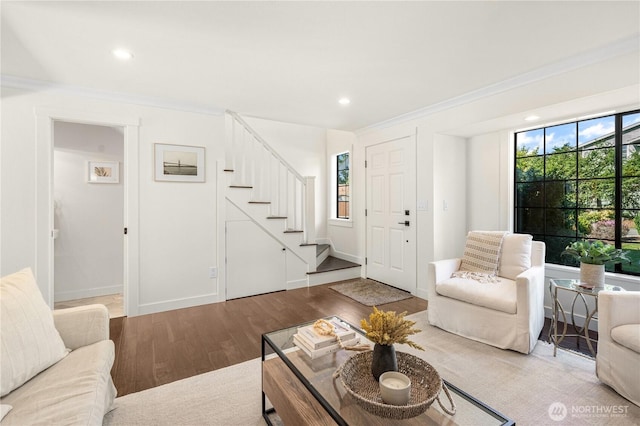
<point x="370" y="292"/>
<point x="522" y="387"/>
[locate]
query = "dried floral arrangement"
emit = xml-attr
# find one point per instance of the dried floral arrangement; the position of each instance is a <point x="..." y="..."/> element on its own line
<point x="388" y="328"/>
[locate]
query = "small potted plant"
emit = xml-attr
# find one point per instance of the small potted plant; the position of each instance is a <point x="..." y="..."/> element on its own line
<point x="385" y="329"/>
<point x="593" y="255"/>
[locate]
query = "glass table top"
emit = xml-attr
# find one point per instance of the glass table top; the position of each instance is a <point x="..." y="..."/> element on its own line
<point x="579" y="287"/>
<point x="318" y="373"/>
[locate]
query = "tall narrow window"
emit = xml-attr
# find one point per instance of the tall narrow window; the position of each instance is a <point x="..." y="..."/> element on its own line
<point x="342" y="201"/>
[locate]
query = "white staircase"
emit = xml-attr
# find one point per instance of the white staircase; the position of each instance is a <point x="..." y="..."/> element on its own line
<point x="270" y="191"/>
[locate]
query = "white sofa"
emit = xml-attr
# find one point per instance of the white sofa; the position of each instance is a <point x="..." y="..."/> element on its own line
<point x="508" y="313"/>
<point x="56" y="366"/>
<point x="618" y="358"/>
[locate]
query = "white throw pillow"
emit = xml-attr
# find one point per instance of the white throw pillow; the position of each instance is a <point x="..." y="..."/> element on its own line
<point x="516" y="255"/>
<point x="29" y="340"/>
<point x="482" y="251"/>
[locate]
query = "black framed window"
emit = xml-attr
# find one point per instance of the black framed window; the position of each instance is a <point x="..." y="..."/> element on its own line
<point x="581" y="180"/>
<point x="343" y="189"/>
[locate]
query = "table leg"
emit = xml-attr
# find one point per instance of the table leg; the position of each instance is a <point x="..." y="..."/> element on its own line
<point x="586" y="329"/>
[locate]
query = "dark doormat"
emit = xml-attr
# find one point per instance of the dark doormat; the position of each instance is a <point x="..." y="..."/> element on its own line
<point x="369" y="292"/>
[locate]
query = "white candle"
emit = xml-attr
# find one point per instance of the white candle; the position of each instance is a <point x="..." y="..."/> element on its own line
<point x="394" y="383"/>
<point x="395" y="388"/>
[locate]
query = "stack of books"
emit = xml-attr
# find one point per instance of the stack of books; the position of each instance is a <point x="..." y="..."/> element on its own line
<point x="316" y="345"/>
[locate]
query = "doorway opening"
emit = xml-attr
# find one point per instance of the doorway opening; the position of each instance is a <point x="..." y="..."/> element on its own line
<point x="88" y="215"/>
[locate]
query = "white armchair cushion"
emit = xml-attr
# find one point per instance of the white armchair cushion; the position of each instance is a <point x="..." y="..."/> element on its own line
<point x="499" y="295"/>
<point x="627" y="335"/>
<point x="29" y="340"/>
<point x="516" y="255"/>
<point x="78" y="390"/>
<point x="482" y="251"/>
<point x="618" y="333"/>
<point x="82" y="325"/>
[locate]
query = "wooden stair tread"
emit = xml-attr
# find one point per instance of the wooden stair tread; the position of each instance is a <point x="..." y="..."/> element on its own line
<point x="228" y="170"/>
<point x="276" y="217"/>
<point x="293" y="231"/>
<point x="333" y="264"/>
<point x="241" y="186"/>
<point x="259" y="202"/>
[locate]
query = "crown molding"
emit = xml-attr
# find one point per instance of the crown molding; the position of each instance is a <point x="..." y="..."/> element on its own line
<point x="68" y="89"/>
<point x="621" y="47"/>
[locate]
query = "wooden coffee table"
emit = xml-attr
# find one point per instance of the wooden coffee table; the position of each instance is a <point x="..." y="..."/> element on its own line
<point x="298" y="390"/>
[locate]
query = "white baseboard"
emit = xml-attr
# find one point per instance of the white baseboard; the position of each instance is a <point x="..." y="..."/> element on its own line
<point x="152" y="308"/>
<point x="421" y="293"/>
<point x="346" y="256"/>
<point x="297" y="284"/>
<point x="64" y="296"/>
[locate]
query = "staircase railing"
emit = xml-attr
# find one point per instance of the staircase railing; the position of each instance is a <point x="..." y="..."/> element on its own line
<point x="255" y="163"/>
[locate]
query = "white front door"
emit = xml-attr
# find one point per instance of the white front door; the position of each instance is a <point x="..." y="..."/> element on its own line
<point x="255" y="261"/>
<point x="391" y="213"/>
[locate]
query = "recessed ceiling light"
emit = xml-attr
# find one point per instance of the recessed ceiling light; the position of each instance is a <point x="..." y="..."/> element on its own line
<point x="344" y="101"/>
<point x="531" y="118"/>
<point x="122" y="54"/>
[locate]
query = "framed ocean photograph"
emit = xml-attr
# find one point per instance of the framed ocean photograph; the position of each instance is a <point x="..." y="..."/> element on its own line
<point x="103" y="172"/>
<point x="179" y="163"/>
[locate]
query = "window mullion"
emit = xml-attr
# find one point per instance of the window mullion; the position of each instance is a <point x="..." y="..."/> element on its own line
<point x="618" y="186"/>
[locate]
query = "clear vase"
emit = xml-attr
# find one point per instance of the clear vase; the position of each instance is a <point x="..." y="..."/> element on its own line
<point x="383" y="360"/>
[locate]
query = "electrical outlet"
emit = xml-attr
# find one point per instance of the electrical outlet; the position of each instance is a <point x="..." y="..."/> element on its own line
<point x="213" y="272"/>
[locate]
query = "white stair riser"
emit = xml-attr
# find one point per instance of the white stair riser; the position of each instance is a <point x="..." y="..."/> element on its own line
<point x="322" y="256"/>
<point x="333" y="276"/>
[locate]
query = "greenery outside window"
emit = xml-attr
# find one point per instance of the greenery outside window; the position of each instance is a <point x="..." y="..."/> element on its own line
<point x="581" y="180"/>
<point x="342" y="189"/>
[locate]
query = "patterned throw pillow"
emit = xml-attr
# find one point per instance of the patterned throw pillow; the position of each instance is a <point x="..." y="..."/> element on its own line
<point x="482" y="251"/>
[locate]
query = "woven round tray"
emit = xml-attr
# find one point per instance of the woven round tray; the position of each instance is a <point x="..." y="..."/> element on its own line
<point x="426" y="386"/>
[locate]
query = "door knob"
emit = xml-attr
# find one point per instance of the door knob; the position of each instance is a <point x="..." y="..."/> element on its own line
<point x="405" y="223"/>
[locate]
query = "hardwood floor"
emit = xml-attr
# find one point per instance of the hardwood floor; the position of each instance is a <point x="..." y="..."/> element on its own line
<point x="574" y="344"/>
<point x="155" y="349"/>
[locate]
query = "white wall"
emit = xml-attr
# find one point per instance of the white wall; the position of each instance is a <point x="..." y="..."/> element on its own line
<point x="89" y="217"/>
<point x="341" y="233"/>
<point x="449" y="195"/>
<point x="490" y="182"/>
<point x="177" y="232"/>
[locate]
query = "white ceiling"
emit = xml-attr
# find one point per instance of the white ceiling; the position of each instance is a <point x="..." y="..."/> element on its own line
<point x="292" y="61"/>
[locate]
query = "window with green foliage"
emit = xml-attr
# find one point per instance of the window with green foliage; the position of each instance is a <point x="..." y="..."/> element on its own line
<point x="581" y="180"/>
<point x="342" y="191"/>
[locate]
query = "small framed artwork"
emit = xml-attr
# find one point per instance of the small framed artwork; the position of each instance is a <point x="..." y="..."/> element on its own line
<point x="179" y="163"/>
<point x="103" y="172"/>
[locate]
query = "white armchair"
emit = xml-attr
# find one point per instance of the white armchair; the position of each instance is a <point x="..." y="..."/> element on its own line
<point x="618" y="355"/>
<point x="507" y="313"/>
